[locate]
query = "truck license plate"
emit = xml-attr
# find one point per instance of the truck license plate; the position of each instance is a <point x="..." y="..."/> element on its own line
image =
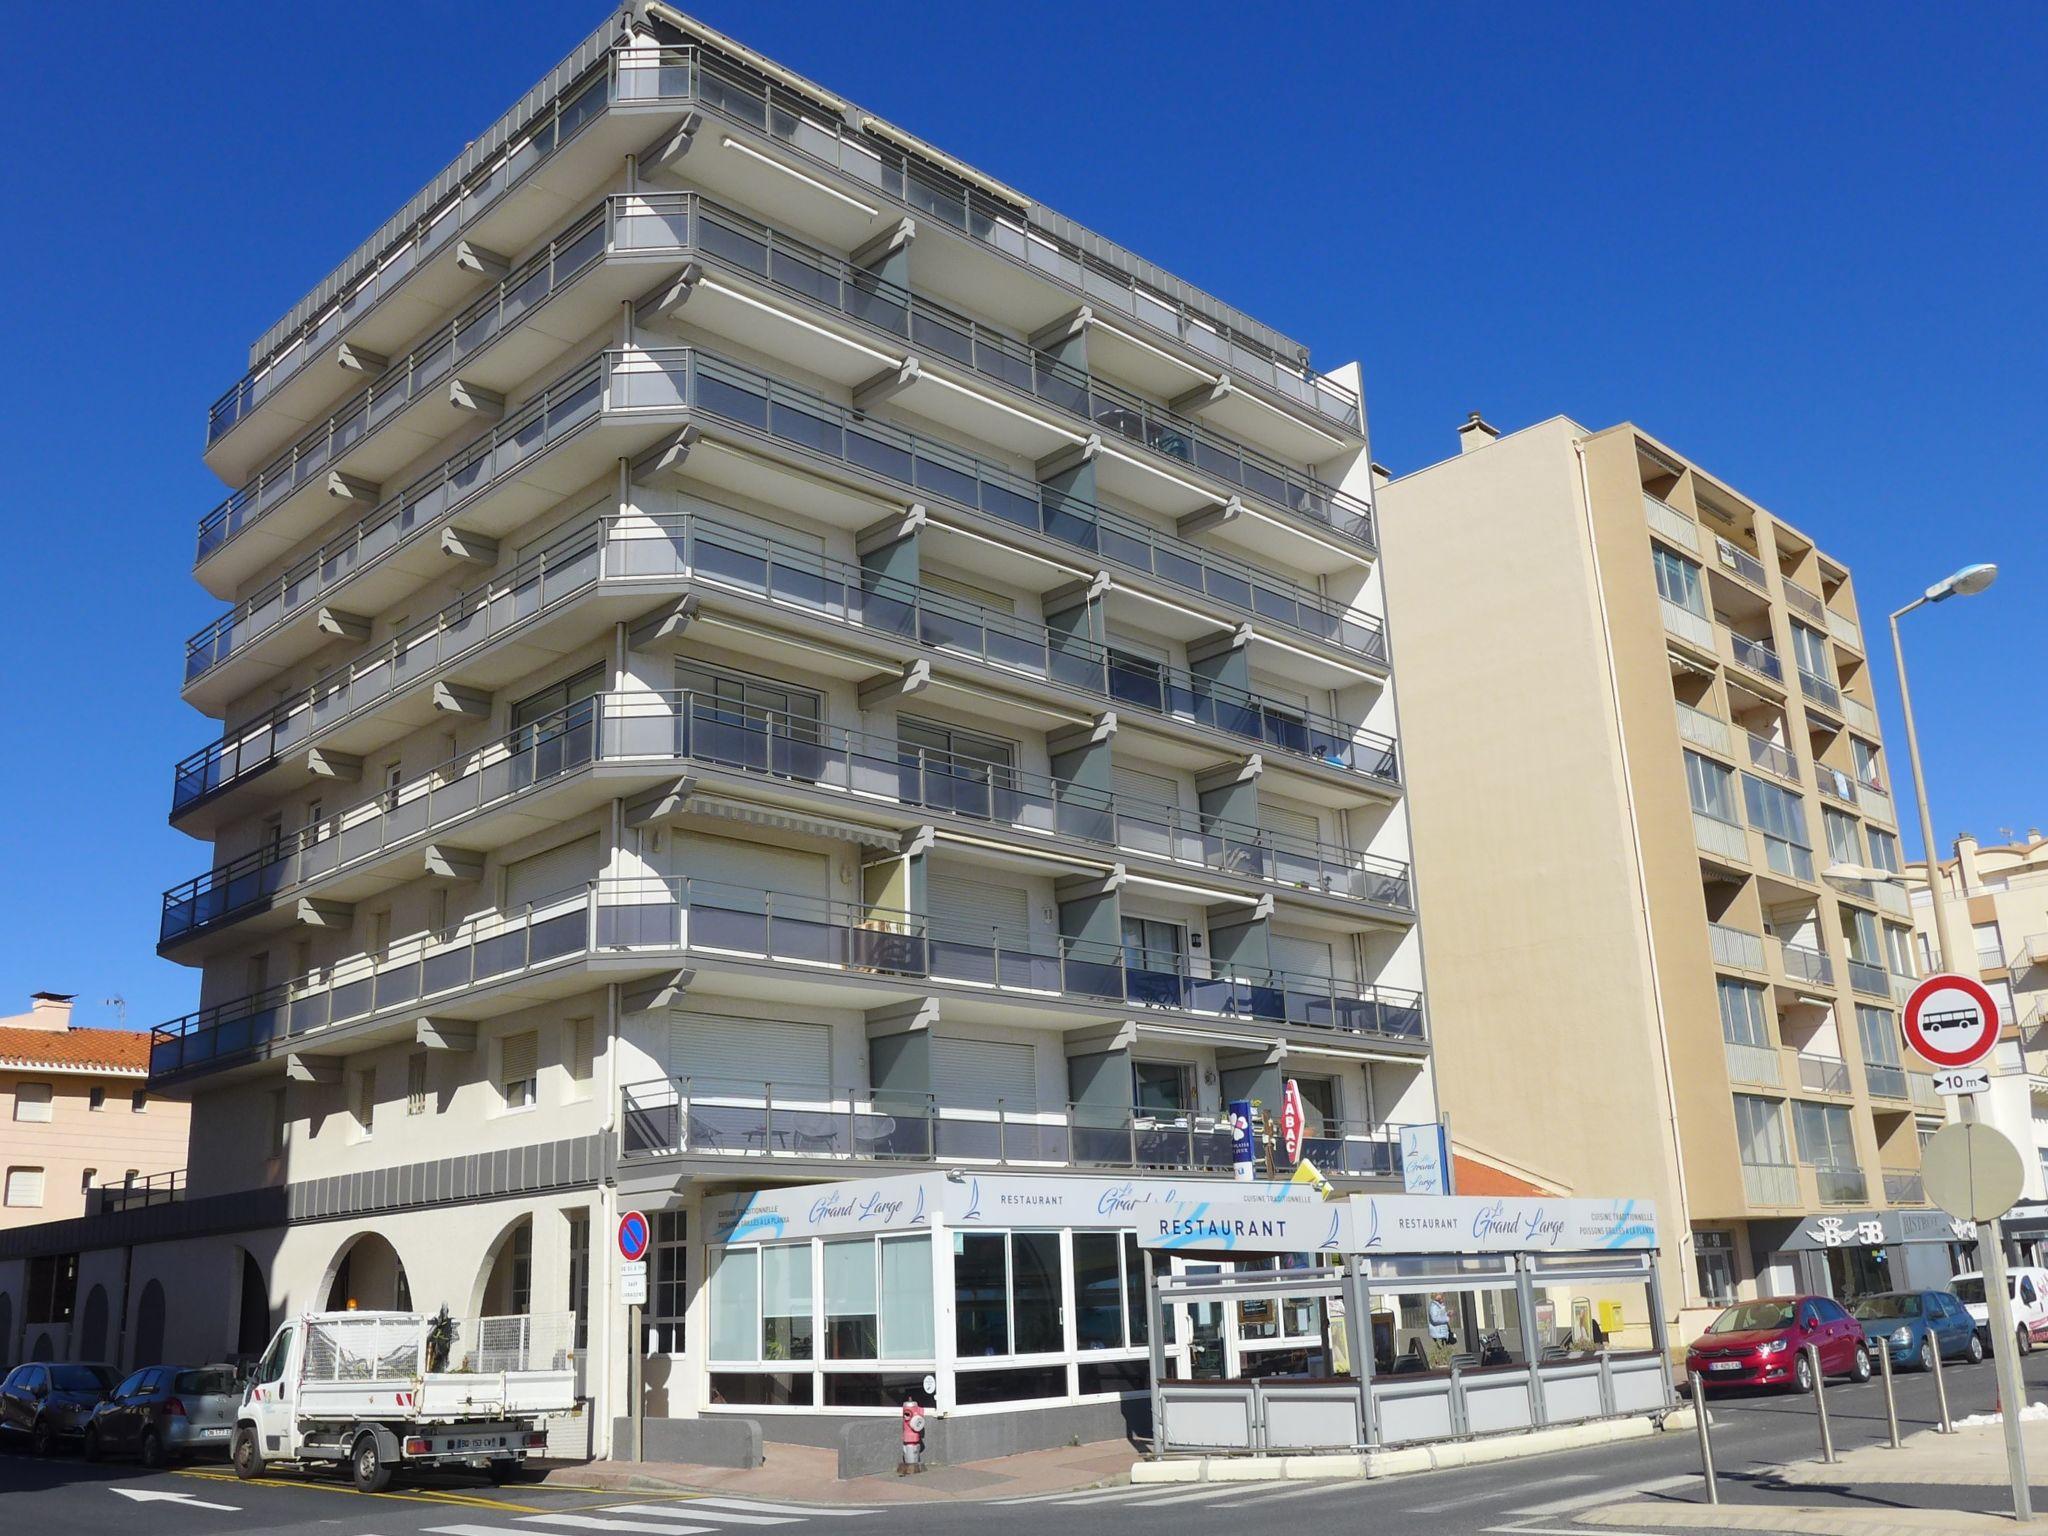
<point x="478" y="1443"/>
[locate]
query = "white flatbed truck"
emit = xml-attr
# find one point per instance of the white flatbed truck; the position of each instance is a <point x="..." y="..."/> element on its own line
<point x="355" y="1389"/>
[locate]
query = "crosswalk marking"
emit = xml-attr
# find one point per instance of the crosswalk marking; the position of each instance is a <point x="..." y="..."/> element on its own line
<point x="599" y="1523"/>
<point x="1094" y="1495"/>
<point x="1291" y="1491"/>
<point x="1612" y="1495"/>
<point x="468" y="1530"/>
<point x="1202" y="1492"/>
<point x="693" y="1509"/>
<point x="757" y="1507"/>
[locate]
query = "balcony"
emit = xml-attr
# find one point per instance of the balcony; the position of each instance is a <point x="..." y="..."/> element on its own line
<point x="1892" y="899"/>
<point x="1722" y="839"/>
<point x="1925" y="1097"/>
<point x="1772" y="758"/>
<point x="1693" y="628"/>
<point x="1869" y="979"/>
<point x="1788" y="858"/>
<point x="1735" y="558"/>
<point x="798" y="947"/>
<point x="1875" y="800"/>
<point x="2030" y="951"/>
<point x="1756" y="658"/>
<point x="1806" y="604"/>
<point x="1835" y="785"/>
<point x="1773" y="1184"/>
<point x="136" y="1193"/>
<point x="1824" y="1074"/>
<point x="638" y="558"/>
<point x="1755" y="1066"/>
<point x="1840" y="1186"/>
<point x="1736" y="949"/>
<point x="1671" y="524"/>
<point x="1804" y="964"/>
<point x="1861" y="717"/>
<point x="1845" y="630"/>
<point x="638" y="739"/>
<point x="1700" y="729"/>
<point x="1884" y="1081"/>
<point x="1820" y="693"/>
<point x="1904" y="1186"/>
<point x="711" y="1119"/>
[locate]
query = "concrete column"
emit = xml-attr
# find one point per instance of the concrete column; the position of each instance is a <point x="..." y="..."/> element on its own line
<point x="1081" y="767"/>
<point x="1076" y="635"/>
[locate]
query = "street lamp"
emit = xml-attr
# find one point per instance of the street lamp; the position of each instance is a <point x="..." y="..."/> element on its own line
<point x="1967" y="582"/>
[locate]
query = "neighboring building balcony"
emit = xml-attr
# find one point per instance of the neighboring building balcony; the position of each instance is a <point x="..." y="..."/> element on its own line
<point x="615" y="568"/>
<point x="1804" y="603"/>
<point x="1696" y="629"/>
<point x="1885" y="1081"/>
<point x="1772" y="758"/>
<point x="1846" y="631"/>
<point x="1861" y="717"/>
<point x="1700" y="729"/>
<point x="1756" y="658"/>
<point x="1756" y="1066"/>
<point x="1875" y="800"/>
<point x="1733" y="557"/>
<point x="788" y="947"/>
<point x="1838" y="1185"/>
<point x="136" y="1192"/>
<point x="1869" y="979"/>
<point x="1904" y="1186"/>
<point x="615" y="745"/>
<point x="2030" y="951"/>
<point x="1806" y="965"/>
<point x="1737" y="949"/>
<point x="1820" y="693"/>
<point x="1925" y="1095"/>
<point x="1671" y="524"/>
<point x="1835" y="785"/>
<point x="1725" y="840"/>
<point x="1824" y="1074"/>
<point x="682" y="1117"/>
<point x="1771" y="1184"/>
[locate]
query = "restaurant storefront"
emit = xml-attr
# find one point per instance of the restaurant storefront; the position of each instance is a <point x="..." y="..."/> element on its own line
<point x="1860" y="1253"/>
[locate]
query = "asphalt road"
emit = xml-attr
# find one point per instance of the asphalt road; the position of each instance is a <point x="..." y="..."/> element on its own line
<point x="1753" y="1435"/>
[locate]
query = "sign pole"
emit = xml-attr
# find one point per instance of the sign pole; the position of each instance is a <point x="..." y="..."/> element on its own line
<point x="635" y="1237"/>
<point x="634" y="1367"/>
<point x="2004" y="1346"/>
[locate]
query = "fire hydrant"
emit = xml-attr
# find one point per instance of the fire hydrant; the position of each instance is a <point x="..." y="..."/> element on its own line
<point x="913" y="1438"/>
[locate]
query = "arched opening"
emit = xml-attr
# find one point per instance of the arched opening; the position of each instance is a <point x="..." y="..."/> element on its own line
<point x="252" y="1326"/>
<point x="369" y="1277"/>
<point x="508" y="1281"/>
<point x="149" y="1326"/>
<point x="44" y="1348"/>
<point x="92" y="1327"/>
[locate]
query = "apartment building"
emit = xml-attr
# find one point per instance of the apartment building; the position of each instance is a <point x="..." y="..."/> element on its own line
<point x="753" y="653"/>
<point x="1996" y="905"/>
<point x="1645" y="761"/>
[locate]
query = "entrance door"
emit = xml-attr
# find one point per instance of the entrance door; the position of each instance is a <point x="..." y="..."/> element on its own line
<point x="1208" y="1349"/>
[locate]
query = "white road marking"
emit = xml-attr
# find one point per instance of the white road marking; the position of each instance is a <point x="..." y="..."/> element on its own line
<point x="692" y="1509"/>
<point x="598" y="1523"/>
<point x="1185" y="1495"/>
<point x="1605" y="1496"/>
<point x="158" y="1496"/>
<point x="504" y="1530"/>
<point x="1094" y="1495"/>
<point x="757" y="1507"/>
<point x="1293" y="1491"/>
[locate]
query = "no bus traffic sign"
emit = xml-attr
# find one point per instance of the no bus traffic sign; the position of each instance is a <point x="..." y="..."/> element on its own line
<point x="1952" y="1021"/>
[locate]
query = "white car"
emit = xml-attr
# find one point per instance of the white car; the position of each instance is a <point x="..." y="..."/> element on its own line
<point x="2029" y="1290"/>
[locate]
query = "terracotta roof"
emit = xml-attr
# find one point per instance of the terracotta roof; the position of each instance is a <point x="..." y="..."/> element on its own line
<point x="1477" y="1178"/>
<point x="116" y="1050"/>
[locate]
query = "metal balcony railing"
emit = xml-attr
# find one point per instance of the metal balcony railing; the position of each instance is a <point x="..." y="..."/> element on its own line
<point x="681" y="726"/>
<point x="687" y="546"/>
<point x="1755" y="656"/>
<point x="1884" y="1080"/>
<point x="714" y="1118"/>
<point x="1801" y="601"/>
<point x="1772" y="758"/>
<point x="1840" y="1186"/>
<point x="658" y="917"/>
<point x="1736" y="948"/>
<point x="1739" y="560"/>
<point x="134" y="1193"/>
<point x="1835" y="785"/>
<point x="1904" y="1186"/>
<point x="1701" y="729"/>
<point x="1672" y="523"/>
<point x="1693" y="627"/>
<point x="1922" y="1088"/>
<point x="1724" y="839"/>
<point x="1823" y="1074"/>
<point x="1869" y="979"/>
<point x="1803" y="963"/>
<point x="1861" y="716"/>
<point x="1818" y="690"/>
<point x="1770" y="1183"/>
<point x="1845" y="629"/>
<point x="1753" y="1065"/>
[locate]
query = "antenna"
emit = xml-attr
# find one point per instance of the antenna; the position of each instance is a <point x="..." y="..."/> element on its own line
<point x="120" y="1006"/>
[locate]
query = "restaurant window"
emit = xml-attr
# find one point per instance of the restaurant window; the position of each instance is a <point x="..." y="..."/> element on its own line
<point x="1109" y="1291"/>
<point x="786" y="1318"/>
<point x="1006" y="1293"/>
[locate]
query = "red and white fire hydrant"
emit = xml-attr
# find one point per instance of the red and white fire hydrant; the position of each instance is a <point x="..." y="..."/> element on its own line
<point x="913" y="1438"/>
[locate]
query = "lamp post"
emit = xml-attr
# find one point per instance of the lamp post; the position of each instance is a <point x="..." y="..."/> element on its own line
<point x="1968" y="582"/>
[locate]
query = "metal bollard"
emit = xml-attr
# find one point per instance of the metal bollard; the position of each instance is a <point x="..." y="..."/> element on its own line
<point x="1699" y="1419"/>
<point x="1820" y="1404"/>
<point x="1891" y="1403"/>
<point x="1947" y="1425"/>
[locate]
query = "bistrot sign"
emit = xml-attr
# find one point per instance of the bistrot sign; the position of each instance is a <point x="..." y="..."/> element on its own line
<point x="1951" y="1021"/>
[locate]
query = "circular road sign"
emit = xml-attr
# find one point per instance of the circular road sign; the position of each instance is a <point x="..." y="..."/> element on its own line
<point x="1951" y="1021"/>
<point x="1972" y="1171"/>
<point x="634" y="1235"/>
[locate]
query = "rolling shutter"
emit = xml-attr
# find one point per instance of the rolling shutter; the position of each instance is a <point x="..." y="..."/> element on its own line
<point x="752" y="866"/>
<point x="975" y="1074"/>
<point x="966" y="591"/>
<point x="559" y="871"/>
<point x="24" y="1186"/>
<point x="1300" y="957"/>
<point x="1136" y="784"/>
<point x="967" y="907"/>
<point x="732" y="1055"/>
<point x="1288" y="822"/>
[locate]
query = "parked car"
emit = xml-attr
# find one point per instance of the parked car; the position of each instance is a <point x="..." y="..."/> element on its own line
<point x="1763" y="1344"/>
<point x="1915" y="1325"/>
<point x="48" y="1402"/>
<point x="165" y="1412"/>
<point x="2029" y="1291"/>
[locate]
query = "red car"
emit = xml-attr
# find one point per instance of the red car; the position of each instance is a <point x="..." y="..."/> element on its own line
<point x="1763" y="1344"/>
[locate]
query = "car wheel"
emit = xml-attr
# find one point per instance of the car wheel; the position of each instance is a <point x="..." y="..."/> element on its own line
<point x="1802" y="1373"/>
<point x="91" y="1449"/>
<point x="247" y="1456"/>
<point x="1859" y="1368"/>
<point x="1927" y="1352"/>
<point x="366" y="1468"/>
<point x="43" y="1439"/>
<point x="152" y="1450"/>
<point x="1975" y="1351"/>
<point x="2026" y="1339"/>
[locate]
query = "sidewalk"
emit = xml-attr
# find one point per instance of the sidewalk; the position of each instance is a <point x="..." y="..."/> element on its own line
<point x="810" y="1475"/>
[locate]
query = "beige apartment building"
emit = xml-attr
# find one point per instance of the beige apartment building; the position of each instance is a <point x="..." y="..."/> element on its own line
<point x="79" y="1127"/>
<point x="1997" y="912"/>
<point x="1641" y="733"/>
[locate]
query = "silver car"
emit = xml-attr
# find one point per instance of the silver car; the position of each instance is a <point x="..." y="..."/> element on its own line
<point x="166" y="1412"/>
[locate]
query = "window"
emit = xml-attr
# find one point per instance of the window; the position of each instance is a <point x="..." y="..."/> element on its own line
<point x="32" y="1101"/>
<point x="522" y="1270"/>
<point x="1760" y="1132"/>
<point x="1711" y="787"/>
<point x="272" y="1366"/>
<point x="1151" y="945"/>
<point x="1811" y="652"/>
<point x="852" y="1329"/>
<point x="278" y="1121"/>
<point x="1742" y="1013"/>
<point x="97" y="1099"/>
<point x="138" y="1101"/>
<point x="416" y="1083"/>
<point x="1859" y="932"/>
<point x="1884" y="849"/>
<point x="1990" y="953"/>
<point x="1878" y="1031"/>
<point x="1006" y="1293"/>
<point x="1774" y="810"/>
<point x="24" y="1187"/>
<point x="1898" y="948"/>
<point x="1109" y="1291"/>
<point x="1825" y="1139"/>
<point x="1163" y="1086"/>
<point x="1867" y="767"/>
<point x="669" y="1288"/>
<point x="721" y="697"/>
<point x="85" y="1179"/>
<point x="519" y="1069"/>
<point x="1841" y="831"/>
<point x="364" y="1100"/>
<point x="1678" y="581"/>
<point x="579" y="1274"/>
<point x="582" y="1054"/>
<point x="787" y="1325"/>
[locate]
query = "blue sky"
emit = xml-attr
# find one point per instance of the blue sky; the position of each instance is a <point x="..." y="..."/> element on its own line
<point x="1803" y="245"/>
